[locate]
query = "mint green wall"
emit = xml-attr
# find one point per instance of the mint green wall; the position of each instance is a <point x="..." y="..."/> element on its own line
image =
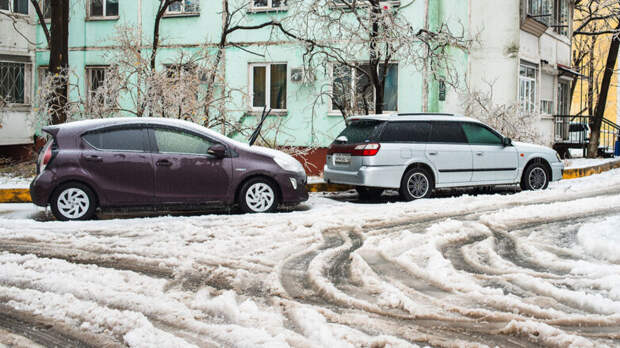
<point x="92" y="41"/>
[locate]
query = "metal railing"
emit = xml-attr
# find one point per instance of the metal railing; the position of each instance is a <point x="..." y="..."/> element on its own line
<point x="573" y="132"/>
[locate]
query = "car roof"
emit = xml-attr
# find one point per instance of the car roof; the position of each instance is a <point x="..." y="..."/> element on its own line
<point x="93" y="124"/>
<point x="414" y="117"/>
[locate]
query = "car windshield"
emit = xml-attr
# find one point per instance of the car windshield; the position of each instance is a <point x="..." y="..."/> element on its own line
<point x="361" y="131"/>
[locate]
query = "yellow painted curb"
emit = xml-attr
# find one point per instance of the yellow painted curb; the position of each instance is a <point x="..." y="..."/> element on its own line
<point x="587" y="171"/>
<point x="325" y="187"/>
<point x="15" y="196"/>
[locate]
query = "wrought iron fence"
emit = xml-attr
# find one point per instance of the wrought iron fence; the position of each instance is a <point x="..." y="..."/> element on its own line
<point x="573" y="132"/>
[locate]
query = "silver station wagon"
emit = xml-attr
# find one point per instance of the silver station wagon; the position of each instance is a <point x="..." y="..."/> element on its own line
<point x="416" y="153"/>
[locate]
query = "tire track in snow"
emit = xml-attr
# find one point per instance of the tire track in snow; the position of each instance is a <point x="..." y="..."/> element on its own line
<point x="50" y="333"/>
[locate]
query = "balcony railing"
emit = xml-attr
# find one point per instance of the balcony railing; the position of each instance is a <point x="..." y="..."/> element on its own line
<point x="573" y="132"/>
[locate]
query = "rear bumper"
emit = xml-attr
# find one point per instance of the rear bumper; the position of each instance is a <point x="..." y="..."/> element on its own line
<point x="41" y="188"/>
<point x="385" y="177"/>
<point x="557" y="171"/>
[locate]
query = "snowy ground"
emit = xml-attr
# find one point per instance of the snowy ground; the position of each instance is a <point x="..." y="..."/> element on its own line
<point x="522" y="269"/>
<point x="10" y="182"/>
<point x="575" y="163"/>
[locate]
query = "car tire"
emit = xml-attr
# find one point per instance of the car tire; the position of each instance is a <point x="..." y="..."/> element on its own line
<point x="73" y="201"/>
<point x="535" y="177"/>
<point x="368" y="193"/>
<point x="417" y="183"/>
<point x="258" y="195"/>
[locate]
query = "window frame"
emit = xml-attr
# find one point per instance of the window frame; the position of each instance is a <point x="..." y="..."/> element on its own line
<point x="336" y="112"/>
<point x="146" y="147"/>
<point x="88" y="69"/>
<point x="11" y="8"/>
<point x="267" y="67"/>
<point x="183" y="12"/>
<point x="528" y="81"/>
<point x="269" y="7"/>
<point x="104" y="16"/>
<point x="155" y="147"/>
<point x="28" y="82"/>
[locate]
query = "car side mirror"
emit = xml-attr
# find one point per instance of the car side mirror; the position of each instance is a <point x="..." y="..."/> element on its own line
<point x="342" y="139"/>
<point x="217" y="150"/>
<point x="507" y="142"/>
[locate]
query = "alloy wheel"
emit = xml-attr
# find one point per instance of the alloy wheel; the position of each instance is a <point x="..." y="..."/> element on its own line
<point x="418" y="185"/>
<point x="260" y="197"/>
<point x="73" y="203"/>
<point x="537" y="178"/>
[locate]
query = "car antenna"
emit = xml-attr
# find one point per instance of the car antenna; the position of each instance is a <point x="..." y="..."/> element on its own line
<point x="256" y="132"/>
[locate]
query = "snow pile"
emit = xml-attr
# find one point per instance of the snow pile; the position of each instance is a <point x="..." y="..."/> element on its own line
<point x="14" y="182"/>
<point x="577" y="163"/>
<point x="602" y="239"/>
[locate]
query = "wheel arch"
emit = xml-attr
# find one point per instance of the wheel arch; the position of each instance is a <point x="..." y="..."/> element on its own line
<point x="538" y="160"/>
<point x="81" y="182"/>
<point x="421" y="165"/>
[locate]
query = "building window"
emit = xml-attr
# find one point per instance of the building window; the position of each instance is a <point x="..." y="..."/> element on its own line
<point x="554" y="13"/>
<point x="95" y="79"/>
<point x="352" y="88"/>
<point x="15" y="6"/>
<point x="527" y="87"/>
<point x="183" y="7"/>
<point x="103" y="8"/>
<point x="268" y="86"/>
<point x="46" y="8"/>
<point x="564" y="98"/>
<point x="14" y="82"/>
<point x="562" y="17"/>
<point x="269" y="4"/>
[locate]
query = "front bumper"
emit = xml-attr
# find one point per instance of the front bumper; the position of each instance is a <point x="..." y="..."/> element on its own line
<point x="290" y="194"/>
<point x="557" y="171"/>
<point x="385" y="177"/>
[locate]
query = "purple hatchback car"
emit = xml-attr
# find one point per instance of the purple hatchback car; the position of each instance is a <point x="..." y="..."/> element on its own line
<point x="149" y="163"/>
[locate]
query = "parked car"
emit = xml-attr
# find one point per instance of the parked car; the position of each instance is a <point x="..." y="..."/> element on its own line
<point x="416" y="153"/>
<point x="161" y="163"/>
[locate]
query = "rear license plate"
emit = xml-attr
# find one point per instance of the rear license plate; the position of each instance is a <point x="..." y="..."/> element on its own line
<point x="342" y="158"/>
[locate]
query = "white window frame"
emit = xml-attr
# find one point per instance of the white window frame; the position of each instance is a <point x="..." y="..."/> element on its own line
<point x="269" y="6"/>
<point x="336" y="112"/>
<point x="529" y="82"/>
<point x="88" y="74"/>
<point x="267" y="85"/>
<point x="105" y="10"/>
<point x="11" y="8"/>
<point x="27" y="82"/>
<point x="182" y="11"/>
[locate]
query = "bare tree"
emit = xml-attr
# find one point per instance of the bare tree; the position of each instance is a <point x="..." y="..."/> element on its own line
<point x="359" y="40"/>
<point x="596" y="21"/>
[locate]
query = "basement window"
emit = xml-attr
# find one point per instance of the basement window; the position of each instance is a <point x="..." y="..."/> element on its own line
<point x="103" y="8"/>
<point x="268" y="5"/>
<point x="183" y="8"/>
<point x="15" y="6"/>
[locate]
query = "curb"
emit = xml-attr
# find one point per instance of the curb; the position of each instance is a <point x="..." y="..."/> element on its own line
<point x="23" y="195"/>
<point x="587" y="171"/>
<point x="15" y="196"/>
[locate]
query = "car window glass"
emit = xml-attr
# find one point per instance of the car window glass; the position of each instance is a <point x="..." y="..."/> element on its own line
<point x="477" y="134"/>
<point x="406" y="132"/>
<point x="447" y="132"/>
<point x="361" y="131"/>
<point x="173" y="141"/>
<point x="117" y="139"/>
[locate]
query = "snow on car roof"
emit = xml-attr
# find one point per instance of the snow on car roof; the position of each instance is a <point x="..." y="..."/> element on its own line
<point x="414" y="117"/>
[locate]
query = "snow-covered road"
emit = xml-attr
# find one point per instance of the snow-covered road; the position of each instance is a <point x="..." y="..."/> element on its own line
<point x="510" y="270"/>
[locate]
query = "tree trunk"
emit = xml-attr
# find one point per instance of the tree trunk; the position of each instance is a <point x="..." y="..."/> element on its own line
<point x="599" y="111"/>
<point x="59" y="57"/>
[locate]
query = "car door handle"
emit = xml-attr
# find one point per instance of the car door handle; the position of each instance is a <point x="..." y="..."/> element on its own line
<point x="479" y="154"/>
<point x="432" y="153"/>
<point x="94" y="158"/>
<point x="164" y="163"/>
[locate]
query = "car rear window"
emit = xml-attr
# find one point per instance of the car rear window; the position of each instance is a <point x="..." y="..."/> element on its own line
<point x="126" y="139"/>
<point x="362" y="131"/>
<point x="406" y="132"/>
<point x="447" y="132"/>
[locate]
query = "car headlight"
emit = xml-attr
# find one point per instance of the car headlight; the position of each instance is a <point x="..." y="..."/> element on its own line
<point x="289" y="164"/>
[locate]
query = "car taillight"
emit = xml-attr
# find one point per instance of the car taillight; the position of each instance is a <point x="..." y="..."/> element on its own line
<point x="366" y="149"/>
<point x="46" y="158"/>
